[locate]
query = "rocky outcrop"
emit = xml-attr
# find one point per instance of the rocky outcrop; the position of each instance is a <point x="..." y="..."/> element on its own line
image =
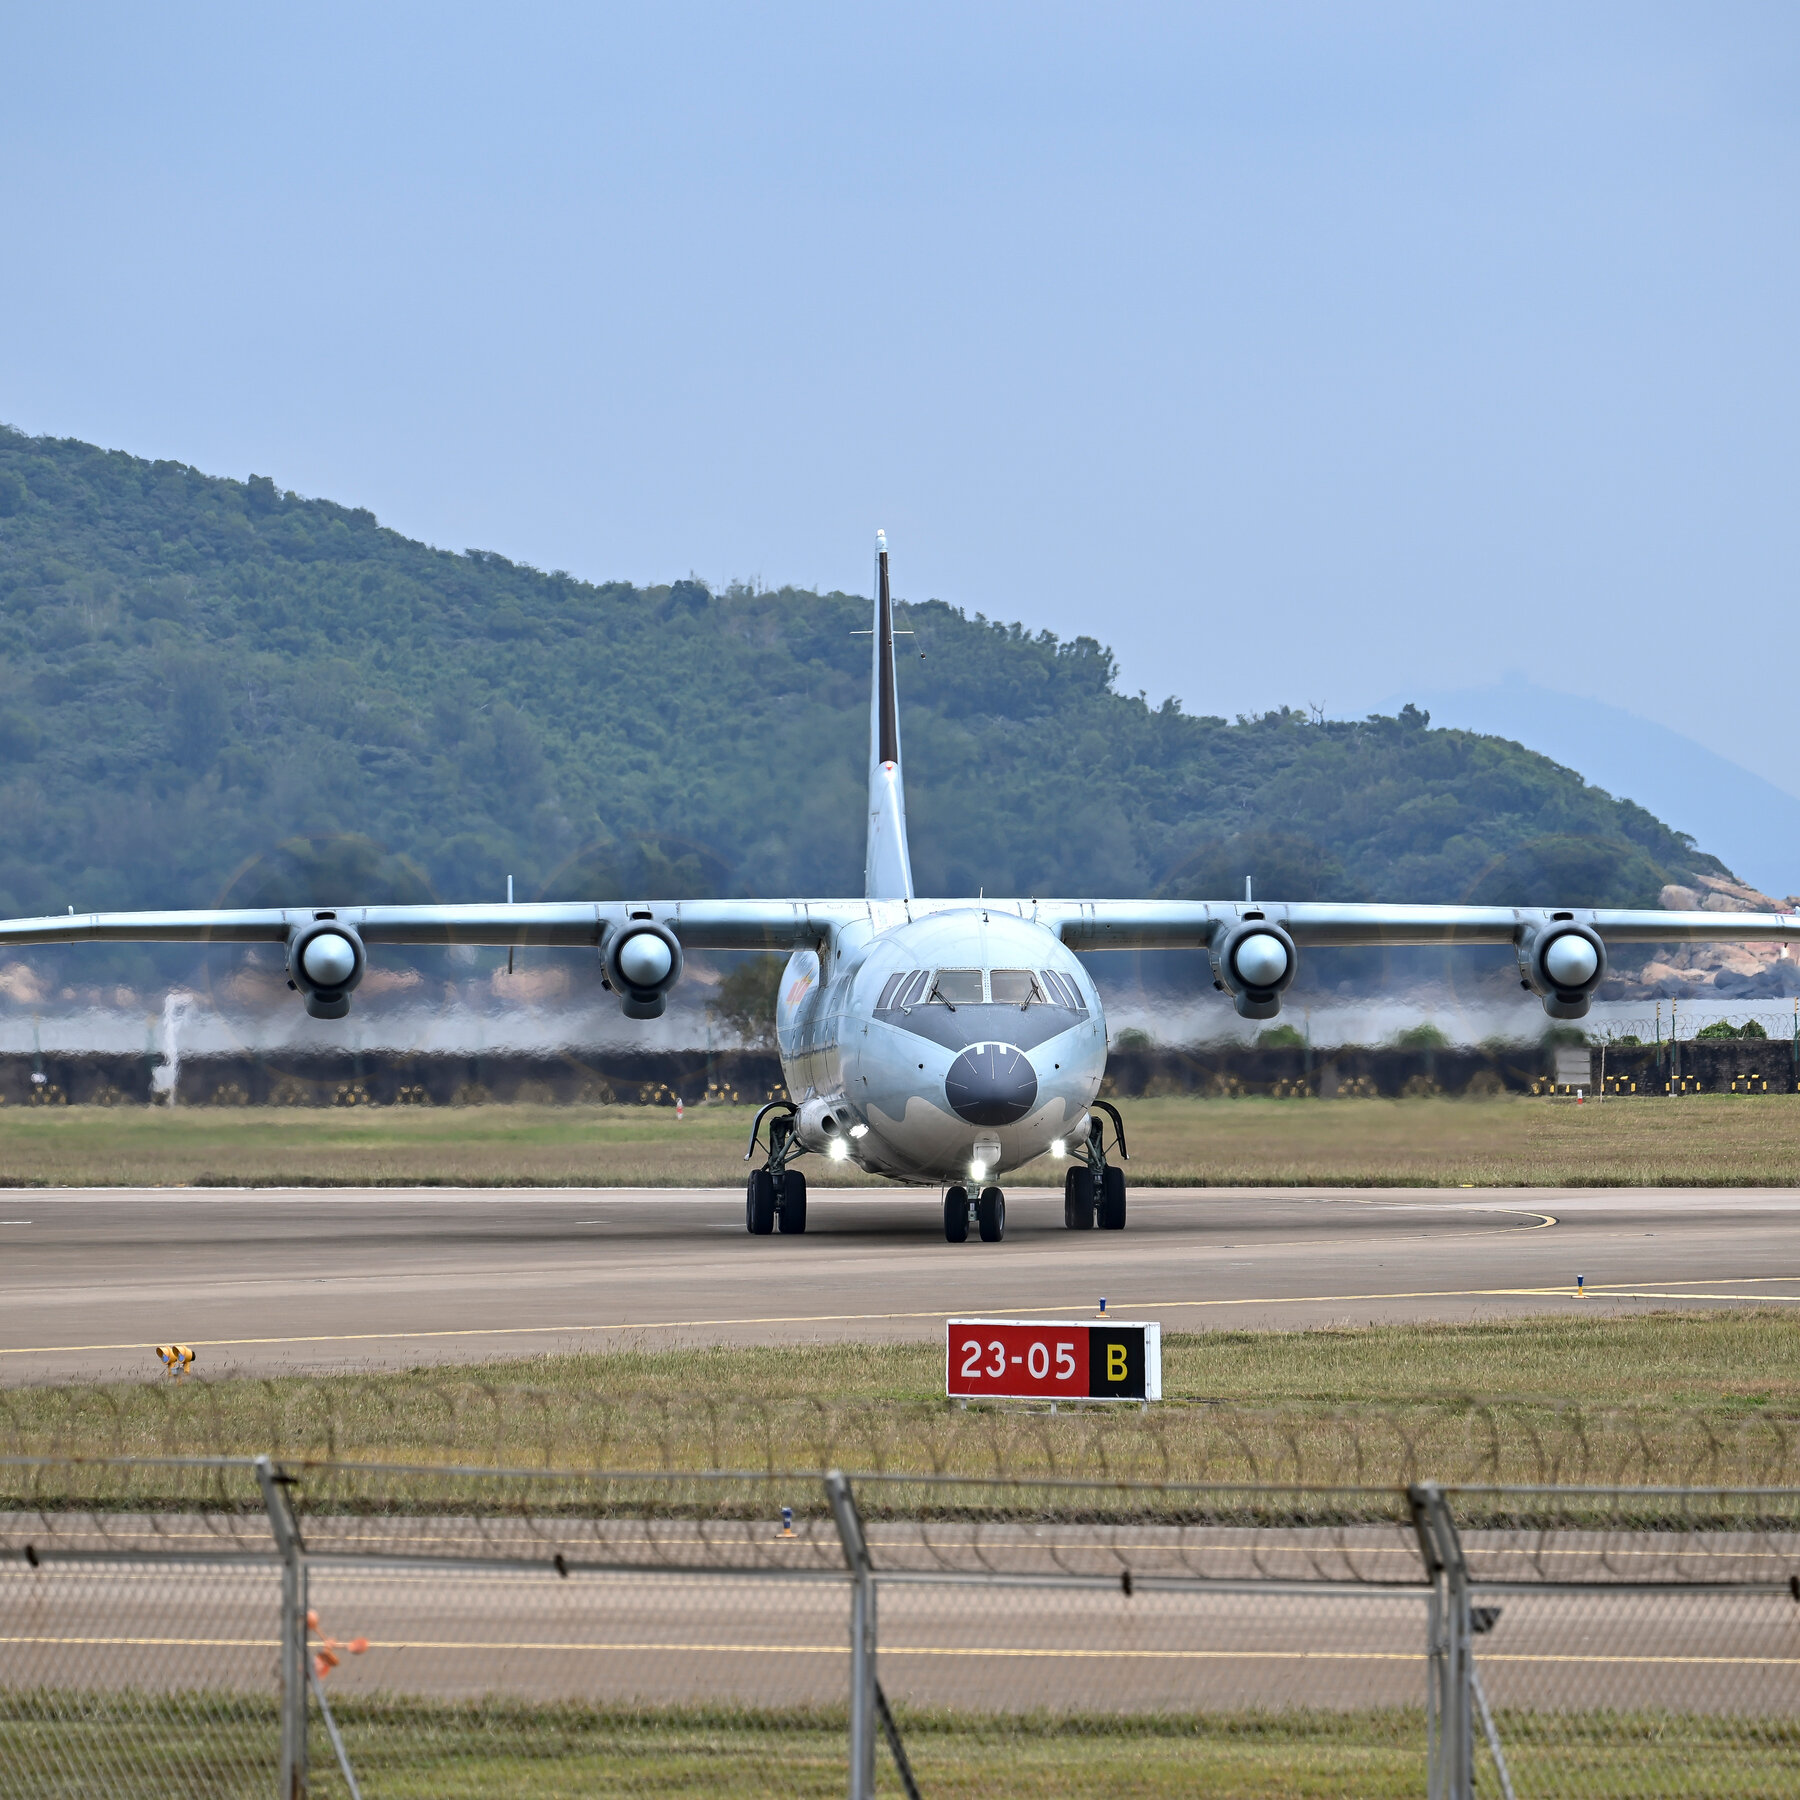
<point x="1727" y="971"/>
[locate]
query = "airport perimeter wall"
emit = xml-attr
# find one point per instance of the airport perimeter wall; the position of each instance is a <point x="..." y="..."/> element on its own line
<point x="247" y="1626"/>
<point x="381" y="1079"/>
<point x="1698" y="1066"/>
<point x="350" y="1078"/>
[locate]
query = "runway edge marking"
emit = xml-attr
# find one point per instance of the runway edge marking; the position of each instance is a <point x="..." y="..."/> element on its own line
<point x="1624" y="1291"/>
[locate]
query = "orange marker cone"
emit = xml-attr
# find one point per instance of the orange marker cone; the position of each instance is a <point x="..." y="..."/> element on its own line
<point x="326" y="1659"/>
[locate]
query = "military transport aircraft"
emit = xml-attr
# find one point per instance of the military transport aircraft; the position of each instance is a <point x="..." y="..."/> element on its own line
<point x="936" y="1042"/>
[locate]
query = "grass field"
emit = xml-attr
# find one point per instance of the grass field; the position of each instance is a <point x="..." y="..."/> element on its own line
<point x="1703" y="1141"/>
<point x="1707" y="1398"/>
<point x="55" y="1746"/>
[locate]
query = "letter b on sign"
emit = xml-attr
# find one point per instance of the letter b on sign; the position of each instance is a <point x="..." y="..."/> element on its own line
<point x="1116" y="1364"/>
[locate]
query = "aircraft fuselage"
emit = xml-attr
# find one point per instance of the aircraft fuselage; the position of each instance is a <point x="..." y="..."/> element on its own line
<point x="941" y="1049"/>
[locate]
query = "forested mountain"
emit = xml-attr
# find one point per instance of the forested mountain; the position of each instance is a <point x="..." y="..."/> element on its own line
<point x="217" y="691"/>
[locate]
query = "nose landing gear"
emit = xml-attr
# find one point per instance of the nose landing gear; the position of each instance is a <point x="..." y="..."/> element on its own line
<point x="990" y="1215"/>
<point x="1094" y="1191"/>
<point x="956" y="1215"/>
<point x="986" y="1212"/>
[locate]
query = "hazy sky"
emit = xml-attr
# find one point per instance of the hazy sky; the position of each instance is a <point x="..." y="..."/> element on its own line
<point x="1301" y="353"/>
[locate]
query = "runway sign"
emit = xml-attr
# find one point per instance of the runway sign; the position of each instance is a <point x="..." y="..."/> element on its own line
<point x="1053" y="1359"/>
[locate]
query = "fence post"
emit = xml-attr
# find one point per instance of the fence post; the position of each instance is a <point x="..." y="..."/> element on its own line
<point x="1434" y="1689"/>
<point x="862" y="1635"/>
<point x="293" y="1630"/>
<point x="1451" y="1738"/>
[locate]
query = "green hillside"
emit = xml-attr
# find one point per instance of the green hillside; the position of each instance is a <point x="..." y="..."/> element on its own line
<point x="214" y="690"/>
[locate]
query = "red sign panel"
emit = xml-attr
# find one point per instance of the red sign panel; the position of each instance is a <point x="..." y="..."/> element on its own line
<point x="1053" y="1359"/>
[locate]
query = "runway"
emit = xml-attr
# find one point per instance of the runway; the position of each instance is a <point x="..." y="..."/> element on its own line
<point x="659" y="1639"/>
<point x="974" y="1612"/>
<point x="272" y="1281"/>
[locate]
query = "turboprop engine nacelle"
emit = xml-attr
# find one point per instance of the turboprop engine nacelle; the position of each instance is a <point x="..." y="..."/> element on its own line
<point x="1253" y="961"/>
<point x="642" y="961"/>
<point x="325" y="961"/>
<point x="1563" y="963"/>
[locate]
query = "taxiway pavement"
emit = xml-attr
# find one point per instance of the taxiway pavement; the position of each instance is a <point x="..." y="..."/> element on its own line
<point x="1203" y="1625"/>
<point x="278" y="1280"/>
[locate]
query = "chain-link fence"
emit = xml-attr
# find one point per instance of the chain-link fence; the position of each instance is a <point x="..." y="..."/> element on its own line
<point x="1630" y="1642"/>
<point x="211" y="1626"/>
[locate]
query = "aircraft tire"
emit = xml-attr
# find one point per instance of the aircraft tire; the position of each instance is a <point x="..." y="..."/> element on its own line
<point x="759" y="1203"/>
<point x="1112" y="1201"/>
<point x="1078" y="1199"/>
<point x="956" y="1215"/>
<point x="990" y="1215"/>
<point x="790" y="1209"/>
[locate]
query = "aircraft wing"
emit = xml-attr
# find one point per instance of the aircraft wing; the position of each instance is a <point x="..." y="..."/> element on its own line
<point x="699" y="924"/>
<point x="797" y="924"/>
<point x="640" y="943"/>
<point x="1254" y="949"/>
<point x="1192" y="924"/>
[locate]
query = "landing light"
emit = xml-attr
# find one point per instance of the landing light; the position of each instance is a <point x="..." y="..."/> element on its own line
<point x="978" y="1170"/>
<point x="838" y="1150"/>
<point x="1058" y="1148"/>
<point x="857" y="1131"/>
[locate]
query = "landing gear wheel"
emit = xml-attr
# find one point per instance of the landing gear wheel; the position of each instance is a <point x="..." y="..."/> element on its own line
<point x="956" y="1215"/>
<point x="759" y="1203"/>
<point x="990" y="1215"/>
<point x="1078" y="1199"/>
<point x="790" y="1208"/>
<point x="1112" y="1200"/>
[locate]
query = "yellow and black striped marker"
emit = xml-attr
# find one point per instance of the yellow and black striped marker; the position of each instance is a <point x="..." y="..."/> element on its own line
<point x="177" y="1358"/>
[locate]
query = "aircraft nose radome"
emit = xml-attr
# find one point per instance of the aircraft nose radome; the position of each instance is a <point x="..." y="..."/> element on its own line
<point x="991" y="1084"/>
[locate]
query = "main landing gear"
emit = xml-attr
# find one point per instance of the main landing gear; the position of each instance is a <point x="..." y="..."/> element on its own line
<point x="775" y="1194"/>
<point x="1093" y="1190"/>
<point x="986" y="1212"/>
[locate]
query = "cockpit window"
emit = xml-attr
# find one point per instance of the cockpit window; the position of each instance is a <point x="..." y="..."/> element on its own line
<point x="1015" y="987"/>
<point x="1063" y="989"/>
<point x="911" y="994"/>
<point x="956" y="987"/>
<point x="891" y="989"/>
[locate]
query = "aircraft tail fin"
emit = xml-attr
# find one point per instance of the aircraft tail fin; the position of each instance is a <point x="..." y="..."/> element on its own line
<point x="887" y="865"/>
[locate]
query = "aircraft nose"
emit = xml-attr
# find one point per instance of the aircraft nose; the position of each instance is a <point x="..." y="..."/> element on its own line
<point x="991" y="1084"/>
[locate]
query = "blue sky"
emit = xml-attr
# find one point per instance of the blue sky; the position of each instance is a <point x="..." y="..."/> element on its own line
<point x="1306" y="354"/>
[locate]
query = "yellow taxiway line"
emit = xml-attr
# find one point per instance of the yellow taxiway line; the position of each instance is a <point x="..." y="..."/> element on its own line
<point x="640" y="1647"/>
<point x="1543" y="1221"/>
